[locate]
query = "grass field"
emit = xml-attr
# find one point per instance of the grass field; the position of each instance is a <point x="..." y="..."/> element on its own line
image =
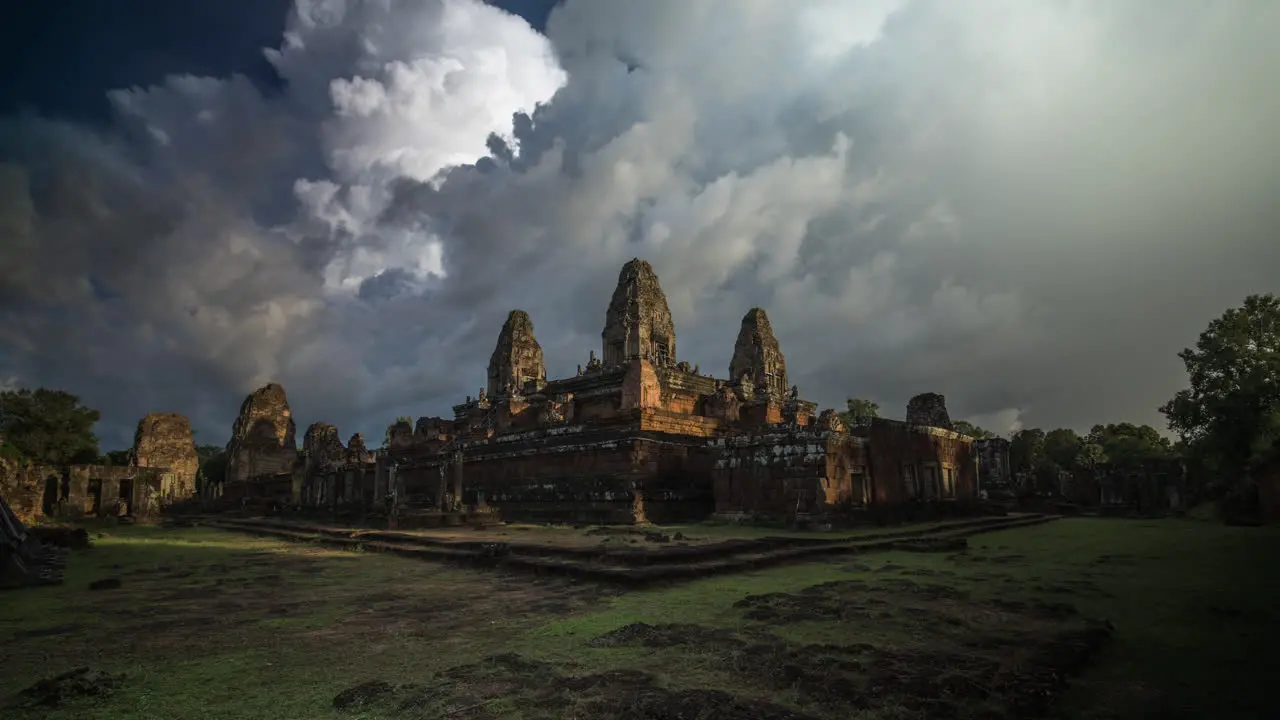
<point x="210" y="625"/>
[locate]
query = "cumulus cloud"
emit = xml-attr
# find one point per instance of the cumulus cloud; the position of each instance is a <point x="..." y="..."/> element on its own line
<point x="1029" y="207"/>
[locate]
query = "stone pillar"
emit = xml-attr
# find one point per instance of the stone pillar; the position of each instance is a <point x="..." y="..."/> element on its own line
<point x="457" y="480"/>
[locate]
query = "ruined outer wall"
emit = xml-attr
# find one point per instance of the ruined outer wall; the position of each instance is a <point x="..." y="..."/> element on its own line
<point x="783" y="471"/>
<point x="994" y="472"/>
<point x="22" y="486"/>
<point x="601" y="473"/>
<point x="895" y="444"/>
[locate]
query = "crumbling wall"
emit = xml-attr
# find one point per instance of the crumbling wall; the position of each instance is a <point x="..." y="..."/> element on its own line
<point x="995" y="474"/>
<point x="910" y="462"/>
<point x="24" y="486"/>
<point x="164" y="440"/>
<point x="784" y="472"/>
<point x="929" y="409"/>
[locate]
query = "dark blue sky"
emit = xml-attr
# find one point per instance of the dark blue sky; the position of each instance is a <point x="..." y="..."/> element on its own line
<point x="60" y="57"/>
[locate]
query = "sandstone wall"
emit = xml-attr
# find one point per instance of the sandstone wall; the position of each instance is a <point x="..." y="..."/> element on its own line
<point x="573" y="473"/>
<point x="784" y="472"/>
<point x="23" y="486"/>
<point x="899" y="449"/>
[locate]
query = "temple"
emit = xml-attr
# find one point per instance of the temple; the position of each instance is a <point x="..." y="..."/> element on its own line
<point x="634" y="435"/>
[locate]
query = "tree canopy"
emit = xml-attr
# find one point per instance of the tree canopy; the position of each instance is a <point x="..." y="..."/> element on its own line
<point x="1229" y="417"/>
<point x="860" y="412"/>
<point x="50" y="427"/>
<point x="964" y="427"/>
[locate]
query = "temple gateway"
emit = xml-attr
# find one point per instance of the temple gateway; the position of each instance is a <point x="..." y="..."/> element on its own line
<point x="634" y="435"/>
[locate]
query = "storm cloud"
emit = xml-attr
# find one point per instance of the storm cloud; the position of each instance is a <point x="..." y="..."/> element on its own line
<point x="1028" y="207"/>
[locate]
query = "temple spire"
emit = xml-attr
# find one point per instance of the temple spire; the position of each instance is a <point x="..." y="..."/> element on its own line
<point x="638" y="323"/>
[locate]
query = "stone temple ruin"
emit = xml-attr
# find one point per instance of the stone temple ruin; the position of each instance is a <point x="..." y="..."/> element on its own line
<point x="162" y="470"/>
<point x="634" y="435"/>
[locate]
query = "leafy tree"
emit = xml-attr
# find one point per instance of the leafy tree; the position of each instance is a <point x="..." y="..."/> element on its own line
<point x="213" y="468"/>
<point x="860" y="412"/>
<point x="964" y="427"/>
<point x="386" y="440"/>
<point x="1090" y="455"/>
<point x="1026" y="450"/>
<point x="1129" y="444"/>
<point x="1229" y="418"/>
<point x="50" y="427"/>
<point x="1061" y="447"/>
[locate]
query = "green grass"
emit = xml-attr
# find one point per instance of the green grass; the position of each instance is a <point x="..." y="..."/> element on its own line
<point x="214" y="625"/>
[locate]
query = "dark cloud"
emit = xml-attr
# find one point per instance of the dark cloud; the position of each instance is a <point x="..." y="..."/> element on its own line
<point x="1030" y="207"/>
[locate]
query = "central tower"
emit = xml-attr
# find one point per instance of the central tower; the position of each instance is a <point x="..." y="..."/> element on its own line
<point x="638" y="323"/>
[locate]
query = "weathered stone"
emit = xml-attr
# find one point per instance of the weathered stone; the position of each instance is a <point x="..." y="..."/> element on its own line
<point x="638" y="322"/>
<point x="724" y="405"/>
<point x="400" y="434"/>
<point x="757" y="355"/>
<point x="517" y="358"/>
<point x="357" y="452"/>
<point x="263" y="437"/>
<point x="164" y="440"/>
<point x="323" y="448"/>
<point x="929" y="409"/>
<point x="830" y="420"/>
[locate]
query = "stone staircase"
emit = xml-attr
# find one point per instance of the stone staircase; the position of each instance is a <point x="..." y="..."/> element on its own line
<point x="631" y="567"/>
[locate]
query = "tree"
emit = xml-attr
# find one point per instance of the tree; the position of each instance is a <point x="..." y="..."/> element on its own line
<point x="49" y="427"/>
<point x="1129" y="444"/>
<point x="860" y="412"/>
<point x="213" y="466"/>
<point x="1229" y="417"/>
<point x="1026" y="450"/>
<point x="964" y="427"/>
<point x="1061" y="447"/>
<point x="1090" y="455"/>
<point x="386" y="440"/>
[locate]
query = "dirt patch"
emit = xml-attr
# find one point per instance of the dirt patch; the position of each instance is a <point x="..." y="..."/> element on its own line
<point x="69" y="687"/>
<point x="667" y="635"/>
<point x="361" y="695"/>
<point x="937" y="682"/>
<point x="944" y="653"/>
<point x="497" y="685"/>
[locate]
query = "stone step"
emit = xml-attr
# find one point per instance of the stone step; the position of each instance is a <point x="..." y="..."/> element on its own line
<point x="603" y="568"/>
<point x="626" y="555"/>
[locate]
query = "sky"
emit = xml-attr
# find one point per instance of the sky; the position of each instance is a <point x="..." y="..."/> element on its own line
<point x="1027" y="207"/>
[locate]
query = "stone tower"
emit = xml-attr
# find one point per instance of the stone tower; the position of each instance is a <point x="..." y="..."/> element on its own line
<point x="517" y="358"/>
<point x="164" y="440"/>
<point x="263" y="438"/>
<point x="929" y="409"/>
<point x="638" y="324"/>
<point x="757" y="355"/>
